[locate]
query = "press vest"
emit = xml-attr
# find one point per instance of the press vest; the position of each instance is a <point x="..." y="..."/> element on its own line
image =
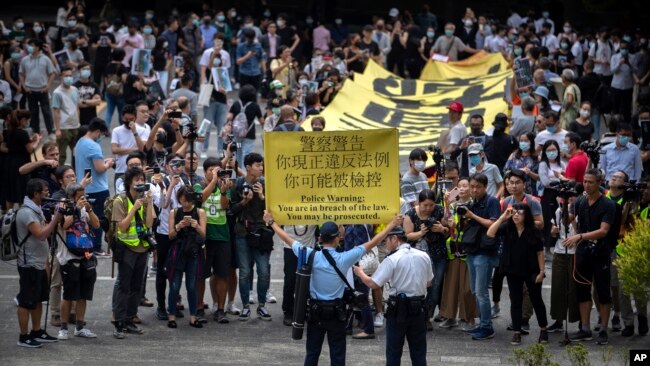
<point x="130" y="237"/>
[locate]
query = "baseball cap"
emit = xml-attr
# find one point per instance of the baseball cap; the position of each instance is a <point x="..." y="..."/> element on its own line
<point x="329" y="231"/>
<point x="276" y="84"/>
<point x="456" y="106"/>
<point x="393" y="12"/>
<point x="474" y="149"/>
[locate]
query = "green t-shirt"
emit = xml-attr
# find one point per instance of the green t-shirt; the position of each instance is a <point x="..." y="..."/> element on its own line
<point x="217" y="223"/>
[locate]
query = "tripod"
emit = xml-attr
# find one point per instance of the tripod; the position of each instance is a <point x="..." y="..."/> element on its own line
<point x="565" y="221"/>
<point x="53" y="247"/>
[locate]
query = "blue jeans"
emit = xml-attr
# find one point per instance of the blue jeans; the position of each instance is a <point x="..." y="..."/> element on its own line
<point x="98" y="208"/>
<point x="112" y="103"/>
<point x="595" y="121"/>
<point x="246" y="148"/>
<point x="414" y="330"/>
<point x="480" y="269"/>
<point x="245" y="255"/>
<point x="189" y="269"/>
<point x="366" y="312"/>
<point x="434" y="292"/>
<point x="216" y="113"/>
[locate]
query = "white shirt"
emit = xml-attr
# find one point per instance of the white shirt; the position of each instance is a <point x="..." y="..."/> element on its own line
<point x="143" y="130"/>
<point x="578" y="55"/>
<point x="205" y="58"/>
<point x="544" y="136"/>
<point x="549" y="41"/>
<point x="306" y="234"/>
<point x="514" y="20"/>
<point x="408" y="270"/>
<point x="559" y="248"/>
<point x="603" y="53"/>
<point x="539" y="23"/>
<point x="123" y="137"/>
<point x="496" y="44"/>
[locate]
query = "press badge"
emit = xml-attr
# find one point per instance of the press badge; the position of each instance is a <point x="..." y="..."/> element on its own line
<point x="213" y="210"/>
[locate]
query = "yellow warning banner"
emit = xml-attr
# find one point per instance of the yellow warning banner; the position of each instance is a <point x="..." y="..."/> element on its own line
<point x="350" y="177"/>
<point x="479" y="65"/>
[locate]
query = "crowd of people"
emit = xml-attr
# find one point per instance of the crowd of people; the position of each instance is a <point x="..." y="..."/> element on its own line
<point x="505" y="212"/>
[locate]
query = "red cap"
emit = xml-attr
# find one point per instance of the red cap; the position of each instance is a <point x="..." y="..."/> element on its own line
<point x="456" y="106"/>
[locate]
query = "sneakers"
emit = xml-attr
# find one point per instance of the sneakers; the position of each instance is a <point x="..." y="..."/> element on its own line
<point x="179" y="313"/>
<point x="516" y="339"/>
<point x="42" y="337"/>
<point x="449" y="323"/>
<point x="495" y="310"/>
<point x="270" y="298"/>
<point x="439" y="318"/>
<point x="598" y="326"/>
<point x="543" y="337"/>
<point x="263" y="314"/>
<point x="161" y="314"/>
<point x="251" y="297"/>
<point x="628" y="331"/>
<point x="616" y="323"/>
<point x="602" y="338"/>
<point x="220" y="317"/>
<point x="525" y="325"/>
<point x="84" y="333"/>
<point x="429" y="325"/>
<point x="119" y="333"/>
<point x="469" y="327"/>
<point x="200" y="316"/>
<point x="63" y="334"/>
<point x="101" y="254"/>
<point x="581" y="335"/>
<point x="643" y="325"/>
<point x="132" y="328"/>
<point x="146" y="303"/>
<point x="483" y="334"/>
<point x="523" y="331"/>
<point x="245" y="315"/>
<point x="379" y="320"/>
<point x="232" y="309"/>
<point x="153" y="268"/>
<point x="555" y="327"/>
<point x="27" y="341"/>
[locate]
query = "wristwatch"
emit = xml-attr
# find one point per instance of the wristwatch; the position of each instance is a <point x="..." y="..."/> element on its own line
<point x="270" y="222"/>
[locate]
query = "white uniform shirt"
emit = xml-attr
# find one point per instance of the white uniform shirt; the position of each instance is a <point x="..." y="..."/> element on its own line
<point x="408" y="270"/>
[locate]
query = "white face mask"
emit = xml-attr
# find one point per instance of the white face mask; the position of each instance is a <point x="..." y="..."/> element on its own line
<point x="419" y="165"/>
<point x="585" y="113"/>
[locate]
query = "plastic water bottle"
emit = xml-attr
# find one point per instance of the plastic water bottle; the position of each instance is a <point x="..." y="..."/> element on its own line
<point x="204" y="128"/>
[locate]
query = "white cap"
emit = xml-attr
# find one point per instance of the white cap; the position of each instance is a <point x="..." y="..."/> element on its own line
<point x="393" y="12"/>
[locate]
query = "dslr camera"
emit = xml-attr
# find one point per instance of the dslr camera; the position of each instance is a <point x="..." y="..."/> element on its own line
<point x="247" y="188"/>
<point x="461" y="210"/>
<point x="148" y="237"/>
<point x="141" y="188"/>
<point x="231" y="140"/>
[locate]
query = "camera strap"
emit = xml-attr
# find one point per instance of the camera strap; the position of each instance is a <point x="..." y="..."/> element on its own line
<point x="330" y="260"/>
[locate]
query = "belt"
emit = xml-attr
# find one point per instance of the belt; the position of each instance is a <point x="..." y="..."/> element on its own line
<point x="411" y="298"/>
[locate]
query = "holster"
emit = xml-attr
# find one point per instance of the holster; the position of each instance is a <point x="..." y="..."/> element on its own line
<point x="324" y="311"/>
<point x="401" y="308"/>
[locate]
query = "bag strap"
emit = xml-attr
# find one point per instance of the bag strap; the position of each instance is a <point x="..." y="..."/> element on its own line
<point x="329" y="258"/>
<point x="451" y="44"/>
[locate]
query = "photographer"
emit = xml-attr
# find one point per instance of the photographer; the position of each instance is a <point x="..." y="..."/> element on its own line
<point x="327" y="308"/>
<point x="187" y="225"/>
<point x="425" y="231"/>
<point x="595" y="215"/>
<point x="134" y="214"/>
<point x="44" y="168"/>
<point x="78" y="272"/>
<point x="32" y="233"/>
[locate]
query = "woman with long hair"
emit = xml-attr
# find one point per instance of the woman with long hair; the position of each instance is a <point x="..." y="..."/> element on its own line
<point x="525" y="159"/>
<point x="551" y="169"/>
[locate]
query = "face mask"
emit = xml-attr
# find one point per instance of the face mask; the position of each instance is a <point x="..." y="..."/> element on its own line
<point x="267" y="14"/>
<point x="85" y="74"/>
<point x="623" y="140"/>
<point x="449" y="32"/>
<point x="524" y="146"/>
<point x="15" y="56"/>
<point x="567" y="29"/>
<point x="195" y="22"/>
<point x="281" y="23"/>
<point x="317" y="129"/>
<point x="103" y="28"/>
<point x="518" y="51"/>
<point x="147" y="30"/>
<point x="551" y="129"/>
<point x="475" y="160"/>
<point x="99" y="139"/>
<point x="564" y="45"/>
<point x="30" y="49"/>
<point x="430" y="34"/>
<point x="161" y="138"/>
<point x="206" y="22"/>
<point x="338" y="21"/>
<point x="276" y="111"/>
<point x="309" y="21"/>
<point x="302" y="81"/>
<point x="217" y="62"/>
<point x="419" y="165"/>
<point x="476" y="131"/>
<point x="38" y="30"/>
<point x="278" y="92"/>
<point x="551" y="154"/>
<point x="564" y="148"/>
<point x="148" y="16"/>
<point x="624" y="52"/>
<point x="68" y="80"/>
<point x="248" y="25"/>
<point x="627" y="39"/>
<point x="72" y="23"/>
<point x="221" y="18"/>
<point x="468" y="23"/>
<point x="20" y="25"/>
<point x="233" y="14"/>
<point x="584" y="113"/>
<point x="545" y="14"/>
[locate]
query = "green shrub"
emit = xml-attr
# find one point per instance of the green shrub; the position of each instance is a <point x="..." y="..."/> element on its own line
<point x="634" y="261"/>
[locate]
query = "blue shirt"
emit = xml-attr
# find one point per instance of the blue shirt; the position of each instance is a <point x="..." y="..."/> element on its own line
<point x="208" y="35"/>
<point x="172" y="39"/>
<point x="487" y="207"/>
<point x="86" y="152"/>
<point x="627" y="159"/>
<point x="252" y="66"/>
<point x="325" y="283"/>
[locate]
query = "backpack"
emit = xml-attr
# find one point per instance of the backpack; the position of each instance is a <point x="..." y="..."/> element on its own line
<point x="240" y="127"/>
<point x="283" y="127"/>
<point x="115" y="86"/>
<point x="77" y="239"/>
<point x="107" y="224"/>
<point x="9" y="243"/>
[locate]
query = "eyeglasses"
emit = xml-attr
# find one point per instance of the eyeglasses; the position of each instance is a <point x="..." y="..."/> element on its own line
<point x="518" y="212"/>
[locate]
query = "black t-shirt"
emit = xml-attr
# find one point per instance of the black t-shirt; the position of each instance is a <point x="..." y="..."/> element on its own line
<point x="562" y="58"/>
<point x="589" y="84"/>
<point x="585" y="132"/>
<point x="519" y="255"/>
<point x="114" y="68"/>
<point x="590" y="217"/>
<point x="103" y="55"/>
<point x="252" y="111"/>
<point x="131" y="94"/>
<point x="372" y="47"/>
<point x="86" y="92"/>
<point x="286" y="36"/>
<point x="159" y="59"/>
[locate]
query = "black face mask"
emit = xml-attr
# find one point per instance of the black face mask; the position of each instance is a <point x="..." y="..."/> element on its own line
<point x="161" y="138"/>
<point x="317" y="129"/>
<point x="477" y="131"/>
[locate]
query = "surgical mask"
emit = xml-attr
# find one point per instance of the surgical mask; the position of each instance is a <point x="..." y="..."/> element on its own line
<point x="309" y="21"/>
<point x="475" y="160"/>
<point x="545" y="14"/>
<point x="281" y="23"/>
<point x="430" y="34"/>
<point x="317" y="129"/>
<point x="165" y="45"/>
<point x="278" y="92"/>
<point x="206" y="22"/>
<point x="72" y="23"/>
<point x="30" y="49"/>
<point x="248" y="25"/>
<point x="276" y="111"/>
<point x="518" y="51"/>
<point x="624" y="52"/>
<point x="85" y="73"/>
<point x="551" y="129"/>
<point x="233" y="14"/>
<point x="195" y="22"/>
<point x="161" y="138"/>
<point x="38" y="30"/>
<point x="623" y="140"/>
<point x="148" y="16"/>
<point x="338" y="21"/>
<point x="567" y="29"/>
<point x="468" y="23"/>
<point x="551" y="154"/>
<point x="221" y="18"/>
<point x="20" y="25"/>
<point x="524" y="145"/>
<point x="15" y="56"/>
<point x="564" y="148"/>
<point x="585" y="113"/>
<point x="68" y="80"/>
<point x="419" y="165"/>
<point x="99" y="139"/>
<point x="449" y="32"/>
<point x="147" y="30"/>
<point x="627" y="39"/>
<point x="267" y="14"/>
<point x="564" y="45"/>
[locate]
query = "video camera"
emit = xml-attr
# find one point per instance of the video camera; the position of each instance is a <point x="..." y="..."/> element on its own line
<point x="633" y="190"/>
<point x="437" y="153"/>
<point x="592" y="149"/>
<point x="52" y="205"/>
<point x="567" y="188"/>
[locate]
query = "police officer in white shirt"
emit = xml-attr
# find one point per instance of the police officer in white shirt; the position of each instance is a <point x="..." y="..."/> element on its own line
<point x="409" y="272"/>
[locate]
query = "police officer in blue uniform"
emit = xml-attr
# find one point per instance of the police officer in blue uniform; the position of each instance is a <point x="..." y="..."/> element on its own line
<point x="408" y="271"/>
<point x="327" y="310"/>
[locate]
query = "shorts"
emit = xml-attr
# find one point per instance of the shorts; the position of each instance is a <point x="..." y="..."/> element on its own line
<point x="218" y="256"/>
<point x="79" y="279"/>
<point x="34" y="287"/>
<point x="593" y="266"/>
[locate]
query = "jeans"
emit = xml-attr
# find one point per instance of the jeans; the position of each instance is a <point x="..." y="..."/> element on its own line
<point x="216" y="113"/>
<point x="126" y="296"/>
<point x="189" y="269"/>
<point x="162" y="249"/>
<point x="595" y="121"/>
<point x="335" y="331"/>
<point x="98" y="208"/>
<point x="480" y="269"/>
<point x="366" y="311"/>
<point x="42" y="99"/>
<point x="414" y="329"/>
<point x="245" y="148"/>
<point x="113" y="102"/>
<point x="434" y="292"/>
<point x="288" y="289"/>
<point x="245" y="255"/>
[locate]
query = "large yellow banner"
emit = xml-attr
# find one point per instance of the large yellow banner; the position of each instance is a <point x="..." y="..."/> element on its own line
<point x="476" y="66"/>
<point x="350" y="177"/>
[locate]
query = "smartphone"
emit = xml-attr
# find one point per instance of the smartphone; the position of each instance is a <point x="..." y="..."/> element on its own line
<point x="187" y="218"/>
<point x="176" y="114"/>
<point x="156" y="170"/>
<point x="87" y="172"/>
